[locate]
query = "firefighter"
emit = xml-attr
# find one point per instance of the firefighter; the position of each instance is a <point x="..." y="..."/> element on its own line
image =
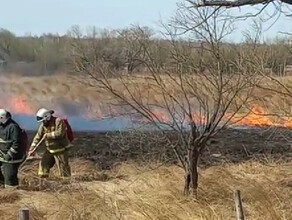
<point x="52" y="131"/>
<point x="12" y="153"/>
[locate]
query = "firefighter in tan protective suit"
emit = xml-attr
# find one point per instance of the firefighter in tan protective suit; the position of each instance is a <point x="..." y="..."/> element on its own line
<point x="53" y="132"/>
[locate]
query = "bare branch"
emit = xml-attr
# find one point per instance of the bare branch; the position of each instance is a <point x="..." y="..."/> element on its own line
<point x="230" y="4"/>
<point x="198" y="92"/>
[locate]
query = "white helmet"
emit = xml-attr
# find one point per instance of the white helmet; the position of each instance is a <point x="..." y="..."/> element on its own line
<point x="4" y="116"/>
<point x="44" y="115"/>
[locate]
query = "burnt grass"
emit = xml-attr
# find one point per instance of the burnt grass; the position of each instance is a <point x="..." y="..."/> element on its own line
<point x="228" y="146"/>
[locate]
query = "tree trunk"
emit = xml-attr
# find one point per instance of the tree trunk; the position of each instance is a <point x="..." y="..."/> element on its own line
<point x="191" y="179"/>
<point x="187" y="184"/>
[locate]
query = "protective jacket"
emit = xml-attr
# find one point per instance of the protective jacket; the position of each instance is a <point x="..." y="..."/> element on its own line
<point x="56" y="139"/>
<point x="10" y="142"/>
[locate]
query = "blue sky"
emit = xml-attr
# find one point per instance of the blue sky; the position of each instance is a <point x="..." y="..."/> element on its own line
<point x="43" y="16"/>
<point x="38" y="16"/>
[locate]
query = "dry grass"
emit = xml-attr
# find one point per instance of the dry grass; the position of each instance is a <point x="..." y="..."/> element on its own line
<point x="155" y="192"/>
<point x="48" y="91"/>
<point x="65" y="93"/>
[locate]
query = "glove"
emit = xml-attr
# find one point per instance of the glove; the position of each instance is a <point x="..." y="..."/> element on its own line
<point x="31" y="151"/>
<point x="7" y="157"/>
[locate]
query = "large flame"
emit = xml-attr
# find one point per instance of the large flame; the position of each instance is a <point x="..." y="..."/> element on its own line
<point x="20" y="105"/>
<point x="258" y="116"/>
<point x="17" y="105"/>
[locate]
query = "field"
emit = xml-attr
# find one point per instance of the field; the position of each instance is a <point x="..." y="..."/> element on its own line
<point x="113" y="178"/>
<point x="113" y="182"/>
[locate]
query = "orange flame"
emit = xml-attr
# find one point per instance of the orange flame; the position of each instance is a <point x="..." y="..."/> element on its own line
<point x="161" y="116"/>
<point x="259" y="117"/>
<point x="18" y="105"/>
<point x="199" y="119"/>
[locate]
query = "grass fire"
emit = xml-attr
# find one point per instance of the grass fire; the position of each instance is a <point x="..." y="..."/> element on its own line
<point x="138" y="123"/>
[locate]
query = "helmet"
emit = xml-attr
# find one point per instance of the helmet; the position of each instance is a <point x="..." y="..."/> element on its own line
<point x="44" y="115"/>
<point x="4" y="116"/>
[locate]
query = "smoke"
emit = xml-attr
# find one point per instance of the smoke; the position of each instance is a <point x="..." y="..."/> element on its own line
<point x="71" y="108"/>
<point x="28" y="122"/>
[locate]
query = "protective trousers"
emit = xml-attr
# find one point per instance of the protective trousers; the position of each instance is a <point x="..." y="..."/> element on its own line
<point x="8" y="174"/>
<point x="48" y="160"/>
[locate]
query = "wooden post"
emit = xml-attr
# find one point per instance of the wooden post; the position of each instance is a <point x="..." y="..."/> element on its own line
<point x="238" y="205"/>
<point x="24" y="214"/>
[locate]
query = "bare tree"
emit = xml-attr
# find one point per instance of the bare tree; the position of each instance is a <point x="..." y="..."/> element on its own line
<point x="196" y="95"/>
<point x="7" y="44"/>
<point x="133" y="50"/>
<point x="236" y="3"/>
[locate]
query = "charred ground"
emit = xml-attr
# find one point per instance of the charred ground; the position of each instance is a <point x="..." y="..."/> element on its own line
<point x="133" y="176"/>
<point x="230" y="145"/>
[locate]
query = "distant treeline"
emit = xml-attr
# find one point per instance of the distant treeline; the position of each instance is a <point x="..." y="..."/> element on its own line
<point x="123" y="49"/>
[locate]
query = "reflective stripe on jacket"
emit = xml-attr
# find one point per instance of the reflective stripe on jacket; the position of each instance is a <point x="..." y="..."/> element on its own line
<point x="12" y="161"/>
<point x="10" y="141"/>
<point x="56" y="139"/>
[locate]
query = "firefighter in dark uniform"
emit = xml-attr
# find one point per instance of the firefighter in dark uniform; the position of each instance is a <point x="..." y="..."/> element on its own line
<point x="12" y="154"/>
